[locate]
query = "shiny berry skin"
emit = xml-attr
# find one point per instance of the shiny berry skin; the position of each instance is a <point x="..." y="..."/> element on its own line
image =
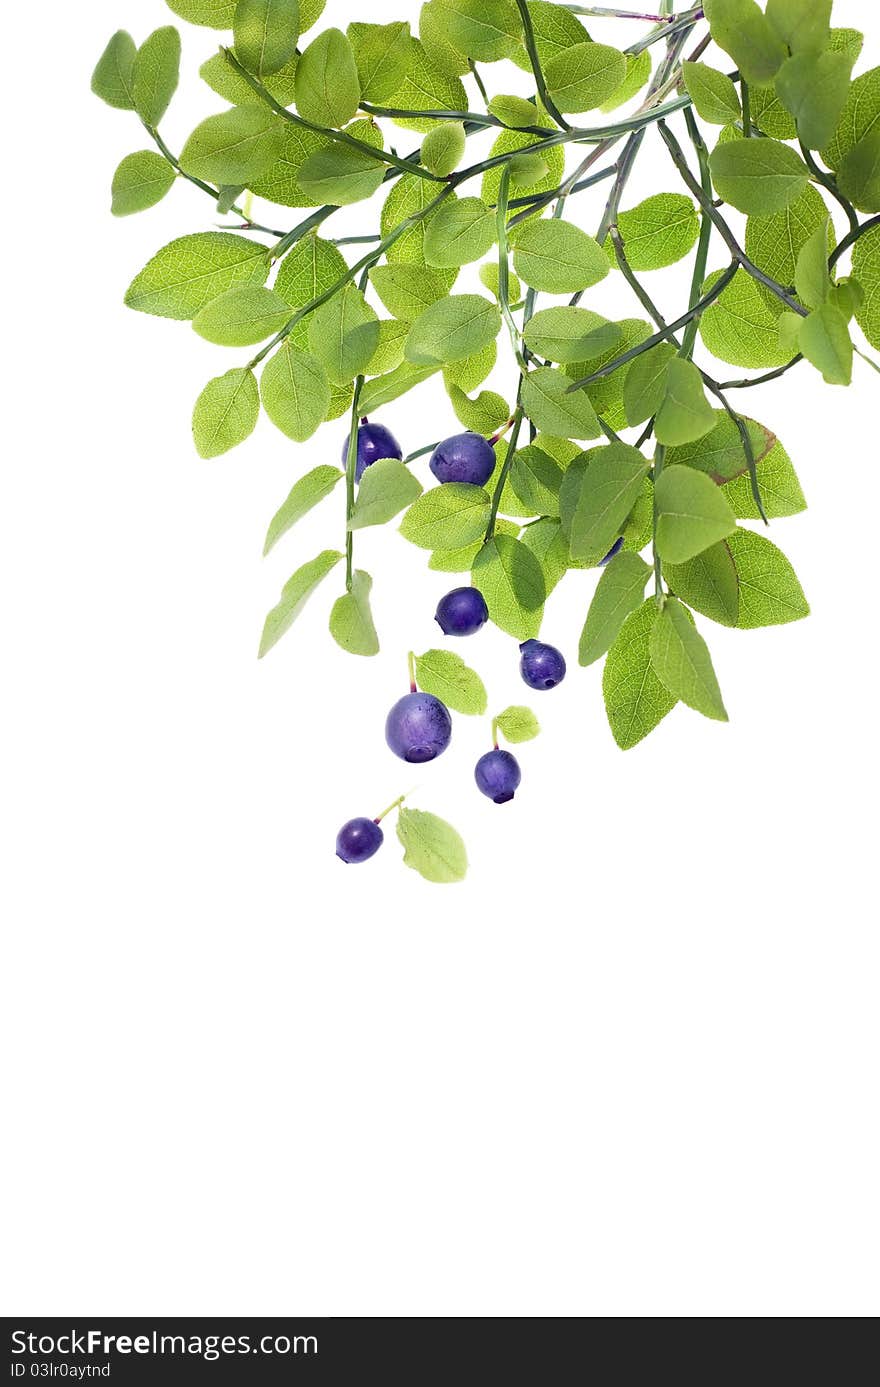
<point x="418" y="728"/>
<point x="612" y="552"/>
<point x="462" y="612"/>
<point x="498" y="775"/>
<point x="374" y="442"/>
<point x="358" y="840"/>
<point x="541" y="666"/>
<point x="466" y="457"/>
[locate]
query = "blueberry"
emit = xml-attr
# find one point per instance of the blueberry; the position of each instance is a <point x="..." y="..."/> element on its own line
<point x="541" y="666"/>
<point x="374" y="442"/>
<point x="498" y="775"/>
<point x="466" y="457"/>
<point x="358" y="840"/>
<point x="612" y="552"/>
<point x="419" y="727"/>
<point x="462" y="612"/>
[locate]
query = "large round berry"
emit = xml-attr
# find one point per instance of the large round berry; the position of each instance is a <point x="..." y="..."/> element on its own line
<point x="612" y="552"/>
<point x="358" y="840"/>
<point x="374" y="442"/>
<point x="541" y="666"/>
<point x="466" y="457"/>
<point x="498" y="775"/>
<point x="418" y="728"/>
<point x="462" y="612"/>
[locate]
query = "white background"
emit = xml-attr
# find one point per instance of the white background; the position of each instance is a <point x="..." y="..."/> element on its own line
<point x="627" y="1069"/>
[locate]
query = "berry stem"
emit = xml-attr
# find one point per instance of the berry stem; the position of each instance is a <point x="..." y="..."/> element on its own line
<point x="411" y="661"/>
<point x="385" y="812"/>
<point x="495" y="733"/>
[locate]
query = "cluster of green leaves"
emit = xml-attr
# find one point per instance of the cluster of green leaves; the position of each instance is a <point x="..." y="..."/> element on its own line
<point x="306" y="126"/>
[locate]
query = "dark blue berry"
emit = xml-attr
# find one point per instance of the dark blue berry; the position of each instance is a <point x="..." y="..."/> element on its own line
<point x="358" y="840"/>
<point x="418" y="728"/>
<point x="374" y="442"/>
<point x="498" y="775"/>
<point x="541" y="666"/>
<point x="462" y="612"/>
<point x="612" y="552"/>
<point x="466" y="457"/>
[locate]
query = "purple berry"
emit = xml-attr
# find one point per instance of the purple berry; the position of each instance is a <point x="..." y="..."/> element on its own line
<point x="419" y="727"/>
<point x="358" y="840"/>
<point x="541" y="666"/>
<point x="466" y="457"/>
<point x="498" y="775"/>
<point x="462" y="612"/>
<point x="374" y="442"/>
<point x="612" y="552"/>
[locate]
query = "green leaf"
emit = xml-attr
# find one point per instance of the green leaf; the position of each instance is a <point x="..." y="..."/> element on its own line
<point x="308" y="270"/>
<point x="426" y="88"/>
<point x="582" y="77"/>
<point x="156" y="73"/>
<point x="447" y="516"/>
<point x="384" y="389"/>
<point x="518" y="724"/>
<point x="720" y="454"/>
<point x="619" y="591"/>
<point x="778" y="483"/>
<point x="485" y="30"/>
<point x="389" y="352"/>
<point x="226" y="412"/>
<point x="511" y="141"/>
<point x="557" y="257"/>
<point x="343" y="334"/>
<point x="341" y="175"/>
<point x="708" y="583"/>
<point x="407" y="290"/>
<point x="556" y="30"/>
<point x="189" y="272"/>
<point x="241" y="317"/>
<point x="484" y="415"/>
<point x="684" y="414"/>
<point x="825" y="341"/>
<point x="462" y="560"/>
<point x="328" y="88"/>
<point x="223" y="78"/>
<point x="775" y="242"/>
<point x="635" y="700"/>
<point x="351" y="620"/>
<point x="266" y="34"/>
<point x="448" y="678"/>
<point x="645" y="385"/>
<point x="866" y="268"/>
<point x="431" y="846"/>
<point x="860" y="116"/>
<point x="740" y="28"/>
<point x="512" y="582"/>
<point x="610" y="488"/>
<point x="382" y="53"/>
<point x="471" y="371"/>
<point x="769" y="591"/>
<point x="443" y="148"/>
<point x="385" y="489"/>
<point x="814" y="87"/>
<point x="233" y="147"/>
<point x="606" y="395"/>
<point x="140" y="181"/>
<point x="295" y="392"/>
<point x="680" y="658"/>
<point x="547" y="402"/>
<point x="859" y="174"/>
<point x="454" y="328"/>
<point x="113" y="77"/>
<point x="462" y="231"/>
<point x="546" y="540"/>
<point x="692" y="513"/>
<point x="802" y="25"/>
<point x="715" y="97"/>
<point x="294" y="596"/>
<point x="303" y="496"/>
<point x="535" y="479"/>
<point x="638" y="73"/>
<point x="434" y="37"/>
<point x="515" y="111"/>
<point x="812" y="277"/>
<point x="660" y="231"/>
<point x="741" y="326"/>
<point x="213" y="14"/>
<point x="758" y="176"/>
<point x="570" y="334"/>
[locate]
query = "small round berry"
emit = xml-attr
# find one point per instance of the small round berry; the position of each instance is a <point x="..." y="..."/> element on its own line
<point x="541" y="666"/>
<point x="374" y="442"/>
<point x="462" y="612"/>
<point x="466" y="457"/>
<point x="418" y="728"/>
<point x="612" y="552"/>
<point x="358" y="840"/>
<point x="498" y="775"/>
